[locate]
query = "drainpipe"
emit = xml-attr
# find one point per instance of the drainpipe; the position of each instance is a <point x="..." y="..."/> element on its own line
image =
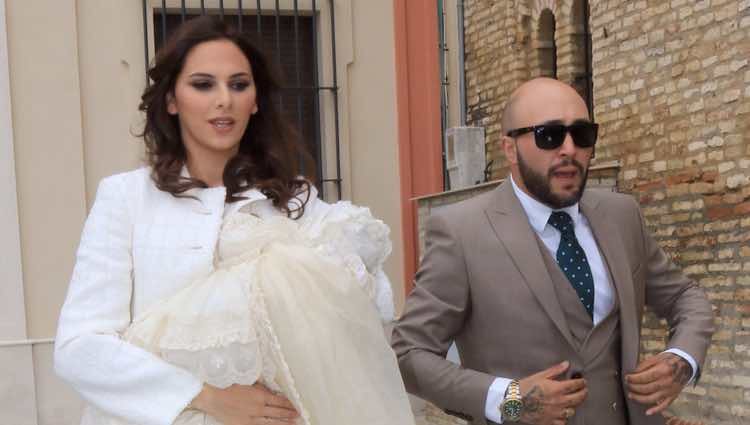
<point x="461" y="72"/>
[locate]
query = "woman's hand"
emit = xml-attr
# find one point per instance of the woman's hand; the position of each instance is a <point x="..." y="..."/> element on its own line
<point x="245" y="405"/>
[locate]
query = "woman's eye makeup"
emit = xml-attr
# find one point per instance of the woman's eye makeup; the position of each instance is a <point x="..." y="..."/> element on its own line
<point x="205" y="85"/>
<point x="202" y="85"/>
<point x="239" y="85"/>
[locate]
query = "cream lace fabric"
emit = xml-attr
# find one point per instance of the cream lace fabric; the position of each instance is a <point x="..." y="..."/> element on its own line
<point x="290" y="308"/>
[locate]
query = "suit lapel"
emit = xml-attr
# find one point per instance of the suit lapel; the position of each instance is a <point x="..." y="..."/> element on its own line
<point x="608" y="239"/>
<point x="512" y="228"/>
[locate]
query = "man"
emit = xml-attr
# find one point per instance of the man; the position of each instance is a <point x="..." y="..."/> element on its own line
<point x="542" y="287"/>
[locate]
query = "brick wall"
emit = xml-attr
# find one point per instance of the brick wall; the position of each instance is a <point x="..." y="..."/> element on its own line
<point x="672" y="94"/>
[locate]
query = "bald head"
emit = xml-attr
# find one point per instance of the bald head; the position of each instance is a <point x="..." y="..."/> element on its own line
<point x="554" y="175"/>
<point x="526" y="100"/>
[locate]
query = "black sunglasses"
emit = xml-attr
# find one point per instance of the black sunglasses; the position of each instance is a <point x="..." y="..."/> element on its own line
<point x="552" y="136"/>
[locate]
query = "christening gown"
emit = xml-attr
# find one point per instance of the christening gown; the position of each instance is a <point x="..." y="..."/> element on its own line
<point x="290" y="308"/>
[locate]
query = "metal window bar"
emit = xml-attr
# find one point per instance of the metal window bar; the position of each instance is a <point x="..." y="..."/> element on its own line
<point x="444" y="86"/>
<point x="296" y="64"/>
<point x="163" y="20"/>
<point x="316" y="102"/>
<point x="239" y="15"/>
<point x="335" y="94"/>
<point x="589" y="58"/>
<point x="145" y="36"/>
<point x="554" y="47"/>
<point x="277" y="18"/>
<point x="299" y="90"/>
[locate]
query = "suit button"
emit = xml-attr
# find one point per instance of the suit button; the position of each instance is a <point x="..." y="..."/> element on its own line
<point x="613" y="406"/>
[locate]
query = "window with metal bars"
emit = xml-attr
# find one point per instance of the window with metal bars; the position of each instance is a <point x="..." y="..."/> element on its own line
<point x="290" y="39"/>
<point x="583" y="78"/>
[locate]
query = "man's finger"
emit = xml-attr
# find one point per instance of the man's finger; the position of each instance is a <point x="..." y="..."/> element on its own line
<point x="663" y="404"/>
<point x="555" y="371"/>
<point x="646" y="364"/>
<point x="649" y="375"/>
<point x="571" y="385"/>
<point x="574" y="399"/>
<point x="649" y="388"/>
<point x="647" y="399"/>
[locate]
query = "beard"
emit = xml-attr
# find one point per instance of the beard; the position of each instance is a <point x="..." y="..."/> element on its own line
<point x="539" y="185"/>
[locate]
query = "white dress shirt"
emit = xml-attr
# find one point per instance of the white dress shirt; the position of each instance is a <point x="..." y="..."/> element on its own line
<point x="538" y="214"/>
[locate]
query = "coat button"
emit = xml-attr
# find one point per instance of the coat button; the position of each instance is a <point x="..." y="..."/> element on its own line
<point x="613" y="406"/>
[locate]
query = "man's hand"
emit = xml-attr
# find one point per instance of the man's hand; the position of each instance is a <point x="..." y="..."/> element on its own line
<point x="548" y="401"/>
<point x="658" y="381"/>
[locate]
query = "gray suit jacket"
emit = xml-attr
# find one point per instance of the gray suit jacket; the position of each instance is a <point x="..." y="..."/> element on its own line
<point x="483" y="284"/>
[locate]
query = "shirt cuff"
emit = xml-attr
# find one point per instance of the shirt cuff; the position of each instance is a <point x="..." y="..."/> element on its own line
<point x="495" y="396"/>
<point x="687" y="358"/>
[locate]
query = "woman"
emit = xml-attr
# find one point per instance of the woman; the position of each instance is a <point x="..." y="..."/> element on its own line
<point x="212" y="287"/>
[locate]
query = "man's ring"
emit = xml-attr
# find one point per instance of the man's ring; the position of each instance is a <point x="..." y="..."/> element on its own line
<point x="569" y="412"/>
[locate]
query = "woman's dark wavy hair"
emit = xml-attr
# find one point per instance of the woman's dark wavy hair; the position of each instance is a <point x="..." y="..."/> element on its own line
<point x="271" y="155"/>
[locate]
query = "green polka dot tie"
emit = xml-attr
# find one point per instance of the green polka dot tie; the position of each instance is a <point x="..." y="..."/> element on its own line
<point x="572" y="260"/>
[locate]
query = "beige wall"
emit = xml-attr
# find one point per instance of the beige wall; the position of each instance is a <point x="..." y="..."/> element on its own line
<point x="111" y="67"/>
<point x="60" y="111"/>
<point x="17" y="389"/>
<point x="12" y="314"/>
<point x="370" y="104"/>
<point x="45" y="98"/>
<point x="75" y="72"/>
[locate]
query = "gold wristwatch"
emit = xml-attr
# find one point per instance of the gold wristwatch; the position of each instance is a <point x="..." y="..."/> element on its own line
<point x="512" y="405"/>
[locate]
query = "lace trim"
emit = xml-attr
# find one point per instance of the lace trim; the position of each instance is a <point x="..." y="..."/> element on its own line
<point x="186" y="337"/>
<point x="200" y="331"/>
<point x="221" y="367"/>
<point x="270" y="342"/>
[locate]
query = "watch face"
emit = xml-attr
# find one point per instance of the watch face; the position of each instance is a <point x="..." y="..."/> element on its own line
<point x="512" y="409"/>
